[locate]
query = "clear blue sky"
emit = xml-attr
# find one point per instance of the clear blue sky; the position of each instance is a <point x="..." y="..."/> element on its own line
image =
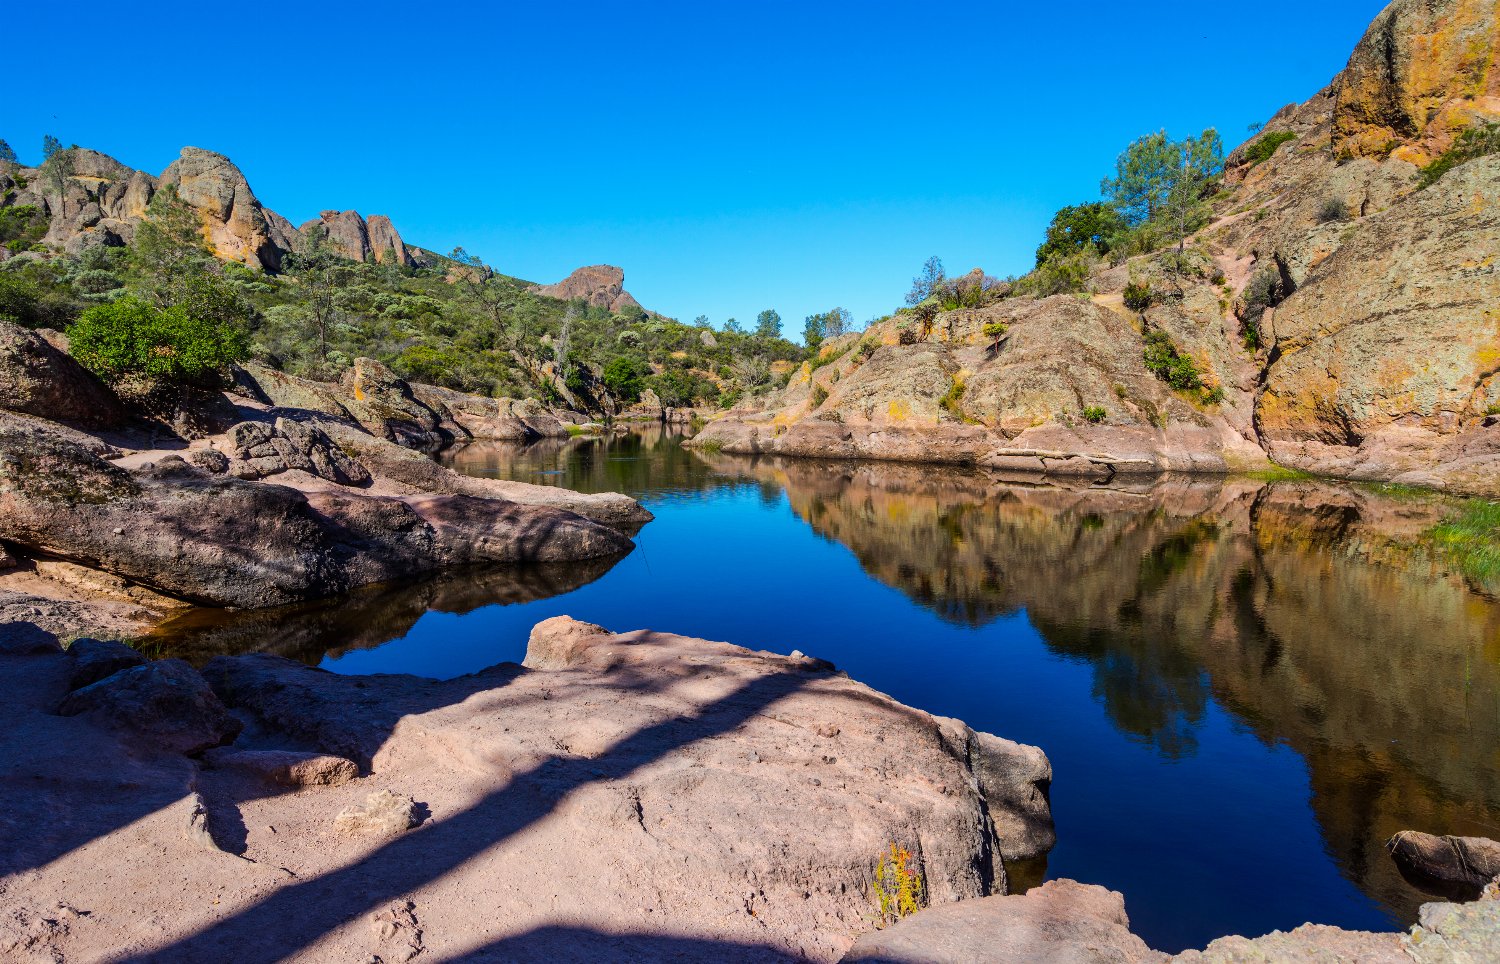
<point x="793" y="155"/>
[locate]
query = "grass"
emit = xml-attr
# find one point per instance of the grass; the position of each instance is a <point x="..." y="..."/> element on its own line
<point x="1266" y="146"/>
<point x="710" y="446"/>
<point x="1470" y="539"/>
<point x="575" y="430"/>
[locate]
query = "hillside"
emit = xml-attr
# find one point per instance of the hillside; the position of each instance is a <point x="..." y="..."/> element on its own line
<point x="82" y="229"/>
<point x="1333" y="307"/>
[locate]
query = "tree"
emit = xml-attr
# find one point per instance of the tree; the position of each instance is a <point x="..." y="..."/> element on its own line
<point x="734" y="327"/>
<point x="625" y="377"/>
<point x="813" y="330"/>
<point x="7" y="156"/>
<point x="169" y="243"/>
<point x="1163" y="182"/>
<point x="1078" y="227"/>
<point x="702" y="321"/>
<point x="923" y="284"/>
<point x="839" y="321"/>
<point x="57" y="170"/>
<point x="50" y="146"/>
<point x="768" y="324"/>
<point x="130" y="337"/>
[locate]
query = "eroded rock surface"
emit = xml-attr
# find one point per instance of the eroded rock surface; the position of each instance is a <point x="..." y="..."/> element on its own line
<point x="601" y="285"/>
<point x="642" y="795"/>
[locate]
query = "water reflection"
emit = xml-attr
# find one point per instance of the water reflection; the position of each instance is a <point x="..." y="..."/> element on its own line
<point x="1315" y="612"/>
<point x="367" y="617"/>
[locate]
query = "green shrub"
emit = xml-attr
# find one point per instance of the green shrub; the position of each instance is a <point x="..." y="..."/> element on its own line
<point x="1165" y="362"/>
<point x="952" y="400"/>
<point x="1058" y="275"/>
<point x="819" y="395"/>
<point x="1266" y="145"/>
<point x="1265" y="289"/>
<point x="1138" y="296"/>
<point x="131" y="337"/>
<point x="21" y="226"/>
<point x="1095" y="414"/>
<point x="1471" y="143"/>
<point x="1333" y="209"/>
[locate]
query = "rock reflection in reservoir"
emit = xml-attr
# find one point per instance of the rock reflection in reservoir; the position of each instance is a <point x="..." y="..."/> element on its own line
<point x="1315" y="612"/>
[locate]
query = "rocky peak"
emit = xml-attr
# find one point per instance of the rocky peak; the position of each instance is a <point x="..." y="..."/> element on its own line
<point x="601" y="285"/>
<point x="234" y="222"/>
<point x="1424" y="70"/>
<point x="359" y="239"/>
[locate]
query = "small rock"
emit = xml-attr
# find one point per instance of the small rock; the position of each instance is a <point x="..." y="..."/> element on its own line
<point x="166" y="702"/>
<point x="210" y="460"/>
<point x="287" y="768"/>
<point x="97" y="659"/>
<point x="383" y="813"/>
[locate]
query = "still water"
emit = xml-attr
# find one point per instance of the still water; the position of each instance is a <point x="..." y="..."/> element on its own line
<point x="1244" y="688"/>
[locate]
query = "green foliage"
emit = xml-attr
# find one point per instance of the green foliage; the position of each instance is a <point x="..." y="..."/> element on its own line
<point x="1094" y="414"/>
<point x="1473" y="142"/>
<point x="1470" y="537"/>
<point x="819" y="395"/>
<point x="952" y="400"/>
<point x="768" y="324"/>
<point x="1060" y="274"/>
<point x="1138" y="296"/>
<point x="21" y="226"/>
<point x="132" y="337"/>
<point x="7" y="155"/>
<point x="1265" y="289"/>
<point x="1165" y="362"/>
<point x="625" y="377"/>
<point x="1165" y="184"/>
<point x="1266" y="145"/>
<point x="923" y="285"/>
<point x="1080" y="226"/>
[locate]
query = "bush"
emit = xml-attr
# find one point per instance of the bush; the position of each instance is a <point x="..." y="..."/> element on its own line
<point x="1263" y="290"/>
<point x="819" y="395"/>
<point x="626" y="378"/>
<point x="131" y="337"/>
<point x="1471" y="143"/>
<point x="898" y="887"/>
<point x="1333" y="209"/>
<point x="1266" y="146"/>
<point x="1095" y="414"/>
<point x="1165" y="362"/>
<point x="1058" y="275"/>
<point x="1138" y="296"/>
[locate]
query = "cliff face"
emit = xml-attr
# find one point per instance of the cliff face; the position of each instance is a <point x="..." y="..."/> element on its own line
<point x="99" y="201"/>
<point x="1377" y="359"/>
<point x="601" y="285"/>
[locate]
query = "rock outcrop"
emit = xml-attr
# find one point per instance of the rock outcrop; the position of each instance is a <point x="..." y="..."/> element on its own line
<point x="1459" y="867"/>
<point x="372" y="241"/>
<point x="177" y="529"/>
<point x="671" y="797"/>
<point x="601" y="285"/>
<point x="234" y="223"/>
<point x="1423" y="71"/>
<point x="38" y="379"/>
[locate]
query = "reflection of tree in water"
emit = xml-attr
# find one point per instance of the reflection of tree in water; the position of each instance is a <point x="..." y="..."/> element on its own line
<point x="647" y="460"/>
<point x="1314" y="613"/>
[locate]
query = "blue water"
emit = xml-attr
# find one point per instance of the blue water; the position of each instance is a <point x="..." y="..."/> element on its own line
<point x="1200" y="811"/>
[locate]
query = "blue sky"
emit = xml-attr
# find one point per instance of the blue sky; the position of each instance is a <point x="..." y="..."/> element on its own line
<point x="729" y="157"/>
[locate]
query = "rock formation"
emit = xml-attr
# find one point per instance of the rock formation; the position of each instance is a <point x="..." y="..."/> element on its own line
<point x="234" y="223"/>
<point x="39" y="379"/>
<point x="601" y="285"/>
<point x="670" y="797"/>
<point x="355" y="238"/>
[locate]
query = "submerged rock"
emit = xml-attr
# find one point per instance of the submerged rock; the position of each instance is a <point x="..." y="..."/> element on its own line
<point x="1451" y="866"/>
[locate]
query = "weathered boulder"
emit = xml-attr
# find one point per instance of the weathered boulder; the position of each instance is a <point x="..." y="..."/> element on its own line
<point x="165" y="704"/>
<point x="1460" y="866"/>
<point x="1060" y="922"/>
<point x="601" y="285"/>
<point x="358" y="239"/>
<point x="258" y="450"/>
<point x="38" y="379"/>
<point x="386" y="405"/>
<point x="235" y="223"/>
<point x="96" y="659"/>
<point x="475" y="416"/>
<point x="1424" y="69"/>
<point x="221" y="541"/>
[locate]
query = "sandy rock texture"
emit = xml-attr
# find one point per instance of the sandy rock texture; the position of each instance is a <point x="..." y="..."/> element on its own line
<point x="635" y="795"/>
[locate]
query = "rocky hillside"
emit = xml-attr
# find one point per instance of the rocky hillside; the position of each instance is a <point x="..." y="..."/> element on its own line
<point x="1336" y="312"/>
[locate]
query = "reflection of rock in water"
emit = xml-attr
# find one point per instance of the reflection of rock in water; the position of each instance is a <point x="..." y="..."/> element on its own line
<point x="646" y="460"/>
<point x="366" y="618"/>
<point x="1312" y="611"/>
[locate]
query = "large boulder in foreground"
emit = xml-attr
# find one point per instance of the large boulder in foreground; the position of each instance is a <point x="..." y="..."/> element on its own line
<point x="644" y="796"/>
<point x="175" y="529"/>
<point x="38" y="379"/>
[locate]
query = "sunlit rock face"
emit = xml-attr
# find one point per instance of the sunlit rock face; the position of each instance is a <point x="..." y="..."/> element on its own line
<point x="1318" y="614"/>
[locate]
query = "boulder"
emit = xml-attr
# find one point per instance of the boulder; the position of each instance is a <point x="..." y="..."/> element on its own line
<point x="1060" y="922"/>
<point x="233" y="220"/>
<point x="175" y="529"/>
<point x="38" y="379"/>
<point x="96" y="659"/>
<point x="165" y="704"/>
<point x="1460" y="866"/>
